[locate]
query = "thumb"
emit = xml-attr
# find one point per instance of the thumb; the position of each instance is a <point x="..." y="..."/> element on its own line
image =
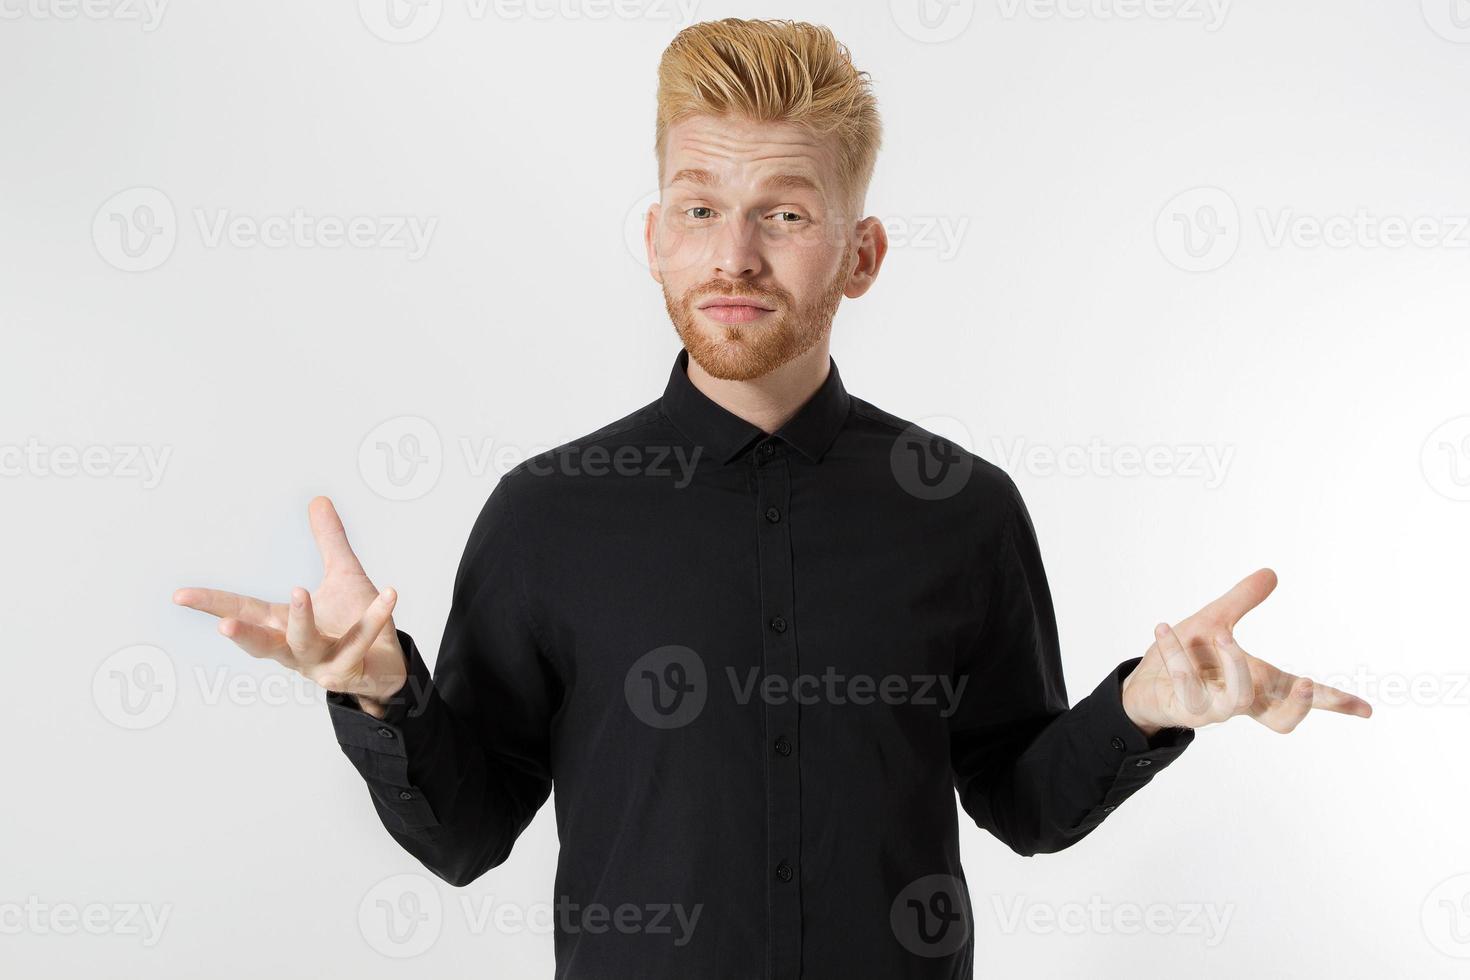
<point x="331" y="537"/>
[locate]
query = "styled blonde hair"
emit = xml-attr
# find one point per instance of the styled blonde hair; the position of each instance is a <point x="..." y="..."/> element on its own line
<point x="773" y="71"/>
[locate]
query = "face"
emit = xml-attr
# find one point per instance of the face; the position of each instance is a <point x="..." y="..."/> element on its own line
<point x="754" y="242"/>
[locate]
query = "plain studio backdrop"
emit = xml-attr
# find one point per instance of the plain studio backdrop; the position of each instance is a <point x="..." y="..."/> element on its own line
<point x="1196" y="274"/>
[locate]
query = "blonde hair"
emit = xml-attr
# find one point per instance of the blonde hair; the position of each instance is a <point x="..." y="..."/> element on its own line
<point x="773" y="71"/>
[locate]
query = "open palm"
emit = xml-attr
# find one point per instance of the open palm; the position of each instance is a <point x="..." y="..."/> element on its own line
<point x="340" y="635"/>
<point x="1195" y="674"/>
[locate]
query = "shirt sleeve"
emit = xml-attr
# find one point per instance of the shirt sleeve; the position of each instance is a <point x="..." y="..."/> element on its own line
<point x="1036" y="774"/>
<point x="461" y="761"/>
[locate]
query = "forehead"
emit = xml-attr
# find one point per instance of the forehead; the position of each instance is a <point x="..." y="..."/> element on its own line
<point x="703" y="149"/>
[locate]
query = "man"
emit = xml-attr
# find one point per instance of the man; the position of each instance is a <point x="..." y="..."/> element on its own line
<point x="759" y="632"/>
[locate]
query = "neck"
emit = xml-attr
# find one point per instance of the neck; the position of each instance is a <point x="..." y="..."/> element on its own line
<point x="772" y="399"/>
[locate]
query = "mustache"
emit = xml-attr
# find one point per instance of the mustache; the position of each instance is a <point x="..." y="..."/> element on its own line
<point x="698" y="293"/>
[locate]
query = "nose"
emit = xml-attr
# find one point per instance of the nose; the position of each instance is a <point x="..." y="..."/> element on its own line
<point x="736" y="254"/>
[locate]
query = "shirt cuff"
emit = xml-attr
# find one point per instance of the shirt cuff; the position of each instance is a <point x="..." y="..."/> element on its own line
<point x="1136" y="757"/>
<point x="379" y="747"/>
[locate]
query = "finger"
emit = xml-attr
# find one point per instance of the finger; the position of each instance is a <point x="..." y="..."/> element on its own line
<point x="1286" y="711"/>
<point x="306" y="641"/>
<point x="353" y="645"/>
<point x="331" y="537"/>
<point x="230" y="604"/>
<point x="1244" y="596"/>
<point x="1240" y="691"/>
<point x="258" y="641"/>
<point x="1330" y="698"/>
<point x="1189" y="688"/>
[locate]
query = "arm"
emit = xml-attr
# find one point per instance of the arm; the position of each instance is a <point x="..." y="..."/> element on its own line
<point x="1034" y="773"/>
<point x="459" y="762"/>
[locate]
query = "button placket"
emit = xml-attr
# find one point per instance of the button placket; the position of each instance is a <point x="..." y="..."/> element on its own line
<point x="772" y="514"/>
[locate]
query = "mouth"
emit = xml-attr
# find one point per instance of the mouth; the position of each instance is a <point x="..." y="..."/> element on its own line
<point x="730" y="309"/>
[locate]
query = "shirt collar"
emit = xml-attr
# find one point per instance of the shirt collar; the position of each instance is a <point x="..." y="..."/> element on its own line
<point x="724" y="434"/>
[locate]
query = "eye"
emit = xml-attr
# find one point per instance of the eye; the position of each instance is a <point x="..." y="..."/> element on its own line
<point x="698" y="208"/>
<point x="793" y="214"/>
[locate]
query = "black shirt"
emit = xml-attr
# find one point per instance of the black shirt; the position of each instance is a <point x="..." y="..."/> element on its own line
<point x="757" y="668"/>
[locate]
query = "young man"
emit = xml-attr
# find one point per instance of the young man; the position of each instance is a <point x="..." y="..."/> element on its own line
<point x="759" y="632"/>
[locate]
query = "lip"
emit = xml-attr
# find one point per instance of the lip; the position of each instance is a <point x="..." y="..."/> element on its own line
<point x="743" y="313"/>
<point x="734" y="301"/>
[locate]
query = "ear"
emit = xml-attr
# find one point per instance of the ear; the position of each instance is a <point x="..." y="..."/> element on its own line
<point x="650" y="233"/>
<point x="872" y="246"/>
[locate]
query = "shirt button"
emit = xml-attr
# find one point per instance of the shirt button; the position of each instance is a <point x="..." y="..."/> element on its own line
<point x="1110" y="807"/>
<point x="385" y="732"/>
<point x="773" y="515"/>
<point x="783" y="746"/>
<point x="783" y="871"/>
<point x="404" y="794"/>
<point x="1118" y="743"/>
<point x="778" y="624"/>
<point x="767" y="449"/>
<point x="1144" y="762"/>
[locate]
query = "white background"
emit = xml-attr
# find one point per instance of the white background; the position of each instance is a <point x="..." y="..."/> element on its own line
<point x="1039" y="293"/>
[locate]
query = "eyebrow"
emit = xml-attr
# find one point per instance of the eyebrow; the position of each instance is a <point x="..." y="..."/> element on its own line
<point x="785" y="180"/>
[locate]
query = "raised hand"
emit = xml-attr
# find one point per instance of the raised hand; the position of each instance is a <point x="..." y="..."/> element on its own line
<point x="340" y="636"/>
<point x="1195" y="674"/>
